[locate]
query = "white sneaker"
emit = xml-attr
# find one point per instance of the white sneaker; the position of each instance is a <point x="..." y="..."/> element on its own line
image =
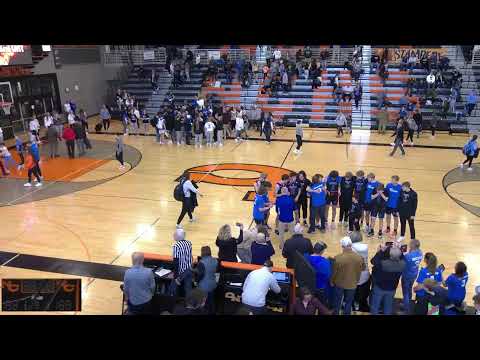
<point x="122" y="167"/>
<point x="400" y="239"/>
<point x="38" y="184"/>
<point x="392" y="144"/>
<point x="221" y="144"/>
<point x="236" y="140"/>
<point x="179" y="226"/>
<point x="469" y="169"/>
<point x="27" y="184"/>
<point x="295" y="151"/>
<point x="193" y="219"/>
<point x="461" y="166"/>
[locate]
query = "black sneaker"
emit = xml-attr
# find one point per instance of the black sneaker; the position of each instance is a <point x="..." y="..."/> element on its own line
<point x="276" y="232"/>
<point x="311" y="231"/>
<point x="371" y="233"/>
<point x="380" y="235"/>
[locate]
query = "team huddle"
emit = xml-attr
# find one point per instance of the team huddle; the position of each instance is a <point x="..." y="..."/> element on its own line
<point x="362" y="200"/>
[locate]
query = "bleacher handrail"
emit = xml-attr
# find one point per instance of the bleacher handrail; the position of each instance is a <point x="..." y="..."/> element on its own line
<point x="135" y="57"/>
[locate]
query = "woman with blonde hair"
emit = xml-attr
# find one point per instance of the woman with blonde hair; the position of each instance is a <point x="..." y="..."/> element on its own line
<point x="227" y="244"/>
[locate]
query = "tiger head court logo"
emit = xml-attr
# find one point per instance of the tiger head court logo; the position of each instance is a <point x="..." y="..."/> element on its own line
<point x="206" y="174"/>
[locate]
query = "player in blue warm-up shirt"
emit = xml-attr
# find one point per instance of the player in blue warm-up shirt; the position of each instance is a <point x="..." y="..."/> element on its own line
<point x="456" y="284"/>
<point x="370" y="189"/>
<point x="317" y="203"/>
<point x="393" y="190"/>
<point x="260" y="206"/>
<point x="323" y="270"/>
<point x="285" y="206"/>
<point x="431" y="271"/>
<point x="412" y="258"/>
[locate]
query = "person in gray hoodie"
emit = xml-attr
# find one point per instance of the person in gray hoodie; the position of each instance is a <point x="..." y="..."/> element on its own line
<point x="299" y="136"/>
<point x="119" y="150"/>
<point x="205" y="271"/>
<point x="341" y="122"/>
<point x="52" y="137"/>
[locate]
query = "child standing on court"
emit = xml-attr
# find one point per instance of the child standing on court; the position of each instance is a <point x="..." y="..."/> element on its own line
<point x="32" y="169"/>
<point x="7" y="157"/>
<point x="299" y="136"/>
<point x="119" y="150"/>
<point x="20" y="148"/>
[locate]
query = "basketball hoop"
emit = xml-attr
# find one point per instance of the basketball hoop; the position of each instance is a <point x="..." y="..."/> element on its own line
<point x="5" y="106"/>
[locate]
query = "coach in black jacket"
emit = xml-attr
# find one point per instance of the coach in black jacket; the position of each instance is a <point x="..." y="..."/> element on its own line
<point x="407" y="207"/>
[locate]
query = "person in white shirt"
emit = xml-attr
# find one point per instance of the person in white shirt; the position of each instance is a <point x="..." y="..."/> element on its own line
<point x="71" y="118"/>
<point x="347" y="91"/>
<point x="209" y="129"/>
<point x="430" y="80"/>
<point x="256" y="286"/>
<point x="67" y="107"/>
<point x="201" y="103"/>
<point x="363" y="286"/>
<point x="34" y="127"/>
<point x="48" y="120"/>
<point x="239" y="127"/>
<point x="187" y="203"/>
<point x="136" y="120"/>
<point x="277" y="54"/>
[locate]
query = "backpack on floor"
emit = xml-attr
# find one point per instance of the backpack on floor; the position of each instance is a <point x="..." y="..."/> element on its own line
<point x="178" y="191"/>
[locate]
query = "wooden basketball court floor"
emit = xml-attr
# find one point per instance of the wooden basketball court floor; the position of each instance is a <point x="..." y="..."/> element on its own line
<point x="135" y="211"/>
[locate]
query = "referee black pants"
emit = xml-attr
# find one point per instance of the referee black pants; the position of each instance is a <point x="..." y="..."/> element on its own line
<point x="186" y="209"/>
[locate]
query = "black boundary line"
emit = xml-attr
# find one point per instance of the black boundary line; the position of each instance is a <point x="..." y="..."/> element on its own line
<point x="51" y="260"/>
<point x="443" y="147"/>
<point x="458" y="202"/>
<point x="286" y="156"/>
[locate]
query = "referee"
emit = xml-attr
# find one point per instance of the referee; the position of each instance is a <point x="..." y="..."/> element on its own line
<point x="182" y="263"/>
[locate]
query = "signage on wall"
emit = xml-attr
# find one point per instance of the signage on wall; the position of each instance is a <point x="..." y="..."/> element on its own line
<point x="15" y="55"/>
<point x="395" y="55"/>
<point x="149" y="55"/>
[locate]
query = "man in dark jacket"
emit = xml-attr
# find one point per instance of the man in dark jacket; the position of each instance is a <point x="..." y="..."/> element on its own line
<point x="407" y="207"/>
<point x="388" y="265"/>
<point x="398" y="143"/>
<point x="79" y="137"/>
<point x="296" y="243"/>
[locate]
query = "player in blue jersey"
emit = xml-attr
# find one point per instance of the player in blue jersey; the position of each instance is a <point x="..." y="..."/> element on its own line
<point x="359" y="188"/>
<point x="379" y="204"/>
<point x="332" y="185"/>
<point x="393" y="190"/>
<point x="456" y="284"/>
<point x="431" y="271"/>
<point x="317" y="203"/>
<point x="278" y="190"/>
<point x="370" y="189"/>
<point x="260" y="206"/>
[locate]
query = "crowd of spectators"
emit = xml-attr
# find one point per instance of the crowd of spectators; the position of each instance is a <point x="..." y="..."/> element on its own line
<point x="345" y="282"/>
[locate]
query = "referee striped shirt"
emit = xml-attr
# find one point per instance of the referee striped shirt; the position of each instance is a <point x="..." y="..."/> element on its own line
<point x="182" y="250"/>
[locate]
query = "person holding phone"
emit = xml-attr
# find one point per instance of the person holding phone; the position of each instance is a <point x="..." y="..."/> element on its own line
<point x="413" y="258"/>
<point x="388" y="266"/>
<point x="430" y="271"/>
<point x="227" y="244"/>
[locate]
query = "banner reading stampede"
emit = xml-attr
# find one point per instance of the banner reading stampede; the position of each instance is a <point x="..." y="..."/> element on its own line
<point x="395" y="55"/>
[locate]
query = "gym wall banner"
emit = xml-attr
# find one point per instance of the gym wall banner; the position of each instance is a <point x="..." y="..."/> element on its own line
<point x="395" y="55"/>
<point x="15" y="55"/>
